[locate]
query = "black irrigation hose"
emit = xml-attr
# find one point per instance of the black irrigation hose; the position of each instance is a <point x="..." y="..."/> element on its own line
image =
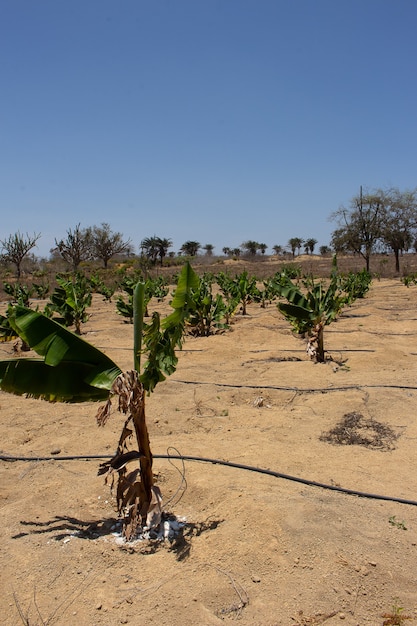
<point x="184" y="457"/>
<point x="296" y="389"/>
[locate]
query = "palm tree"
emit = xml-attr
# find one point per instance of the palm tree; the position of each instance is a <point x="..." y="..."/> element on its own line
<point x="309" y="245"/>
<point x="150" y="248"/>
<point x="227" y="251"/>
<point x="277" y="249"/>
<point x="251" y="247"/>
<point x="190" y="248"/>
<point x="209" y="249"/>
<point x="295" y="243"/>
<point x="163" y="247"/>
<point x="72" y="370"/>
<point x="262" y="247"/>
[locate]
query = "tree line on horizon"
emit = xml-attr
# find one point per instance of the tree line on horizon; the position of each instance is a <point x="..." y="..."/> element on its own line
<point x="375" y="221"/>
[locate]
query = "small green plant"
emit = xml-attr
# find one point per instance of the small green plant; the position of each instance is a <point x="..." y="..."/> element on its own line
<point x="271" y="289"/>
<point x="124" y="304"/>
<point x="207" y="311"/>
<point x="41" y="289"/>
<point x="70" y="301"/>
<point x="159" y="288"/>
<point x="291" y="271"/>
<point x="355" y="285"/>
<point x="21" y="294"/>
<point x="409" y="279"/>
<point x="152" y="288"/>
<point x="395" y="617"/>
<point x="394" y="522"/>
<point x="98" y="286"/>
<point x="241" y="289"/>
<point x="309" y="313"/>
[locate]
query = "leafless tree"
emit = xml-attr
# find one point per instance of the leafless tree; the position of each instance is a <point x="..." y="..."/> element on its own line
<point x="16" y="247"/>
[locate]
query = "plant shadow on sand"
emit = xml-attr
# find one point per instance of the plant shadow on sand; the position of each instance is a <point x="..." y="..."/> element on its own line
<point x="62" y="527"/>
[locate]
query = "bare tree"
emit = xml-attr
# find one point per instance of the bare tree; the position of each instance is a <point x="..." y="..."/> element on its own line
<point x="105" y="243"/>
<point x="16" y="247"/>
<point x="360" y="226"/>
<point x="76" y="247"/>
<point x="399" y="221"/>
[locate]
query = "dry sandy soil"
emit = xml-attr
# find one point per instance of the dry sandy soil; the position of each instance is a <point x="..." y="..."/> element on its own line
<point x="257" y="549"/>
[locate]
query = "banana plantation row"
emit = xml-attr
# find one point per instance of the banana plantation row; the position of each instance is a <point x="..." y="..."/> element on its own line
<point x="309" y="305"/>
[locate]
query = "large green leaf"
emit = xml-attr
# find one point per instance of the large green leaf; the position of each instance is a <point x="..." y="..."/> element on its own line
<point x="162" y="337"/>
<point x="72" y="369"/>
<point x="67" y="382"/>
<point x="298" y="312"/>
<point x="294" y="296"/>
<point x="188" y="281"/>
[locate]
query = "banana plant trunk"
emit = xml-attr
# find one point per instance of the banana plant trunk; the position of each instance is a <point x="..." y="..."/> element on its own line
<point x="138" y="414"/>
<point x="145" y="458"/>
<point x="320" y="344"/>
<point x="315" y="346"/>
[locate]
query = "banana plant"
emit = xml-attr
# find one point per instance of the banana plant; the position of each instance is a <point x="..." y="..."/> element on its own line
<point x="41" y="289"/>
<point x="241" y="289"/>
<point x="128" y="284"/>
<point x="311" y="312"/>
<point x="21" y="294"/>
<point x="72" y="370"/>
<point x="71" y="300"/>
<point x="355" y="285"/>
<point x="6" y="331"/>
<point x="208" y="312"/>
<point x="98" y="286"/>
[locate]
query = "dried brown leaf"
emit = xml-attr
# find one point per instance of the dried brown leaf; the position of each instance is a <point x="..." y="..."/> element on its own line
<point x="153" y="518"/>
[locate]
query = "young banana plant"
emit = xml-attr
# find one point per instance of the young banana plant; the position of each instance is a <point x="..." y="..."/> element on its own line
<point x="311" y="312"/>
<point x="72" y="370"/>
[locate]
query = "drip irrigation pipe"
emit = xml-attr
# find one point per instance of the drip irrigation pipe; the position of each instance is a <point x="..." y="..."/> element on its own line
<point x="184" y="457"/>
<point x="296" y="389"/>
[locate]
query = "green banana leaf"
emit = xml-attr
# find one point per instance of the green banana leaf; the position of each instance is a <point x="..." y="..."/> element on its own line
<point x="72" y="370"/>
<point x="293" y="295"/>
<point x="6" y="331"/>
<point x="188" y="281"/>
<point x="298" y="312"/>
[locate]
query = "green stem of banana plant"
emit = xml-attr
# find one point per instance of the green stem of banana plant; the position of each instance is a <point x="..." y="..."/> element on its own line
<point x="138" y="311"/>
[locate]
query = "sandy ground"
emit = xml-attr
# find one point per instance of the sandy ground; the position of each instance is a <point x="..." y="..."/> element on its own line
<point x="257" y="549"/>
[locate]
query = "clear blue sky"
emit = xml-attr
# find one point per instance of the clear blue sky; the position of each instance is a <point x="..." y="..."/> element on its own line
<point x="216" y="121"/>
